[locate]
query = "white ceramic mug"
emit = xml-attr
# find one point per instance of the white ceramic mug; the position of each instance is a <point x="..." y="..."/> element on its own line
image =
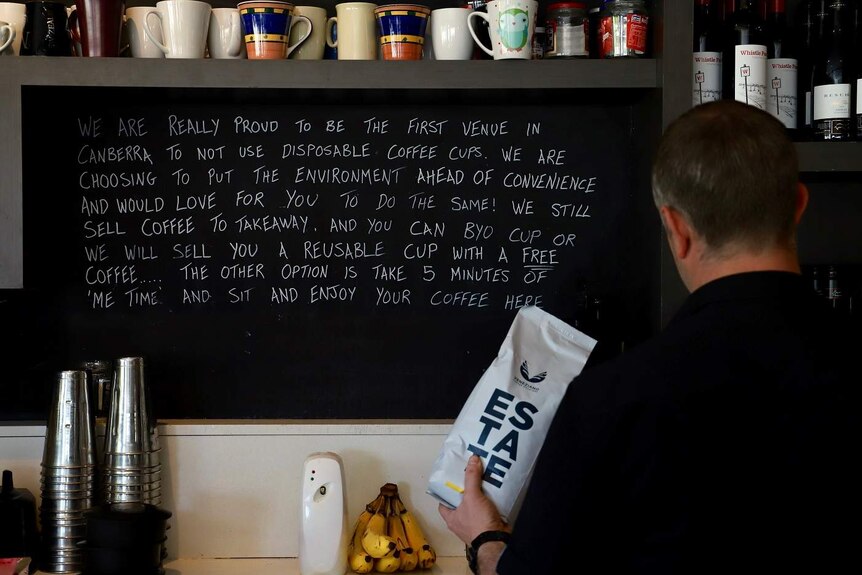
<point x="511" y="24"/>
<point x="357" y="31"/>
<point x="450" y="34"/>
<point x="139" y="42"/>
<point x="7" y="36"/>
<point x="14" y="15"/>
<point x="225" y="40"/>
<point x="184" y="25"/>
<point x="315" y="44"/>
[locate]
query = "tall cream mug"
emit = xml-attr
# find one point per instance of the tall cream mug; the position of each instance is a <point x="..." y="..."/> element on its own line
<point x="184" y="24"/>
<point x="357" y="31"/>
<point x="511" y="24"/>
<point x="14" y="14"/>
<point x="315" y="44"/>
<point x="225" y="40"/>
<point x="139" y="42"/>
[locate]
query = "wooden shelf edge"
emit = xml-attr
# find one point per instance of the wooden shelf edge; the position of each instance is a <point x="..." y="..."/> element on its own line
<point x="831" y="157"/>
<point x="286" y="74"/>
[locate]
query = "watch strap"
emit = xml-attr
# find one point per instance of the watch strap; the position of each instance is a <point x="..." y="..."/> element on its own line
<point x="481" y="539"/>
<point x="486" y="536"/>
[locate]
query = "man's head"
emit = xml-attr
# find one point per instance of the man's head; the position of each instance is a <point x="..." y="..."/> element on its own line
<point x="725" y="180"/>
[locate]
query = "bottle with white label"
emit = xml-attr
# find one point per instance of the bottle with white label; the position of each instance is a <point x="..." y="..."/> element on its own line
<point x="706" y="59"/>
<point x="832" y="76"/>
<point x="857" y="26"/>
<point x="744" y="61"/>
<point x="808" y="30"/>
<point x="782" y="67"/>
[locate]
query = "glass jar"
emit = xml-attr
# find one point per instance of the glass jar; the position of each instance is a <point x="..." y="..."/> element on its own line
<point x="567" y="30"/>
<point x="623" y="29"/>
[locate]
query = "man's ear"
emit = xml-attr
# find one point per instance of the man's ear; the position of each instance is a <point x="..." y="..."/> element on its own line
<point x="801" y="202"/>
<point x="679" y="231"/>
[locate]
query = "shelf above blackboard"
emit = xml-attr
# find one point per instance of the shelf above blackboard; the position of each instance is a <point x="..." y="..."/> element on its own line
<point x="424" y="75"/>
<point x="833" y="157"/>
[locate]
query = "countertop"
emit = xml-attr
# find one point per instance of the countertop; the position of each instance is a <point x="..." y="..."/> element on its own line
<point x="444" y="566"/>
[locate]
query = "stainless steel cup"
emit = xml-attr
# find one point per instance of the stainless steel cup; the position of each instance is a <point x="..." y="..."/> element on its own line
<point x="130" y="429"/>
<point x="132" y="470"/>
<point x="70" y="437"/>
<point x="68" y="472"/>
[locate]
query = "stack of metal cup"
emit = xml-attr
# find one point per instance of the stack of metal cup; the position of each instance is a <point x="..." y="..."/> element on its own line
<point x="132" y="471"/>
<point x="68" y="473"/>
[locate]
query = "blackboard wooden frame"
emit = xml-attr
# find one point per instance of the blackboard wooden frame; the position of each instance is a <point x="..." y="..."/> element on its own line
<point x="217" y="388"/>
<point x="666" y="80"/>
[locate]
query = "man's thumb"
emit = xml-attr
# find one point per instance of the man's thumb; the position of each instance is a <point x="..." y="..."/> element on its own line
<point x="473" y="475"/>
<point x="445" y="512"/>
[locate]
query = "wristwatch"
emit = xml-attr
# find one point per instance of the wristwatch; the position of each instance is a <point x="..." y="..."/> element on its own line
<point x="484" y="537"/>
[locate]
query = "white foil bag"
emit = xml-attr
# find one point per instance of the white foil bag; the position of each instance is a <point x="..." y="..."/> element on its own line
<point x="508" y="414"/>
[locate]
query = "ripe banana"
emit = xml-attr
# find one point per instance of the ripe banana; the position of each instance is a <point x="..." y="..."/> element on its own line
<point x="409" y="559"/>
<point x="388" y="564"/>
<point x="426" y="554"/>
<point x="358" y="559"/>
<point x="374" y="540"/>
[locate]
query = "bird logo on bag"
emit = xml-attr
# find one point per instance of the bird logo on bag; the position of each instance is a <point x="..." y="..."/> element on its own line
<point x="525" y="371"/>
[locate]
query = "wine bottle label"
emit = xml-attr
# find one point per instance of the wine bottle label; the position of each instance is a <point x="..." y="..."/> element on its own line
<point x="781" y="89"/>
<point x="749" y="73"/>
<point x="831" y="101"/>
<point x="706" y="76"/>
<point x="859" y="108"/>
<point x="834" y="129"/>
<point x="808" y="108"/>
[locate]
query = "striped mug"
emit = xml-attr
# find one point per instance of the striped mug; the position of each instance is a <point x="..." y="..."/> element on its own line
<point x="266" y="29"/>
<point x="402" y="30"/>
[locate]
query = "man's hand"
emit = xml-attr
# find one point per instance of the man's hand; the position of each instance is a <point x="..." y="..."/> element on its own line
<point x="476" y="513"/>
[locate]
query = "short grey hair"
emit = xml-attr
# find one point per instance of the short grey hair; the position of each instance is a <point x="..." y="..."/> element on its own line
<point x="732" y="170"/>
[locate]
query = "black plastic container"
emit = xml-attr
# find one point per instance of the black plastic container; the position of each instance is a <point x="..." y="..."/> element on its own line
<point x="19" y="536"/>
<point x="125" y="539"/>
<point x="126" y="526"/>
<point x="145" y="559"/>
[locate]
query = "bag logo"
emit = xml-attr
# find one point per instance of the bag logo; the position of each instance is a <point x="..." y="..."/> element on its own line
<point x="525" y="371"/>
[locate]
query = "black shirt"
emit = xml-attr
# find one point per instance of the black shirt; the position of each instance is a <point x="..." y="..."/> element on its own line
<point x="726" y="443"/>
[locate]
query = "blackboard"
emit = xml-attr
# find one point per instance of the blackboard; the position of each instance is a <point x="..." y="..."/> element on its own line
<point x="321" y="255"/>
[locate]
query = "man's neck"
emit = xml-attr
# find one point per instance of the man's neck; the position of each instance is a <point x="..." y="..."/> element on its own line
<point x="710" y="268"/>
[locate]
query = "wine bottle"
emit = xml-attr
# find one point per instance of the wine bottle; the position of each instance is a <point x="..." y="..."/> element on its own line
<point x="835" y="291"/>
<point x="857" y="30"/>
<point x="808" y="28"/>
<point x="744" y="70"/>
<point x="817" y="281"/>
<point x="782" y="67"/>
<point x="832" y="77"/>
<point x="706" y="70"/>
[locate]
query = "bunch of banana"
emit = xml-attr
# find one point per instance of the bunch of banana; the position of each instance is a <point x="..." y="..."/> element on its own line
<point x="387" y="537"/>
<point x="358" y="559"/>
<point x="426" y="554"/>
<point x="409" y="558"/>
